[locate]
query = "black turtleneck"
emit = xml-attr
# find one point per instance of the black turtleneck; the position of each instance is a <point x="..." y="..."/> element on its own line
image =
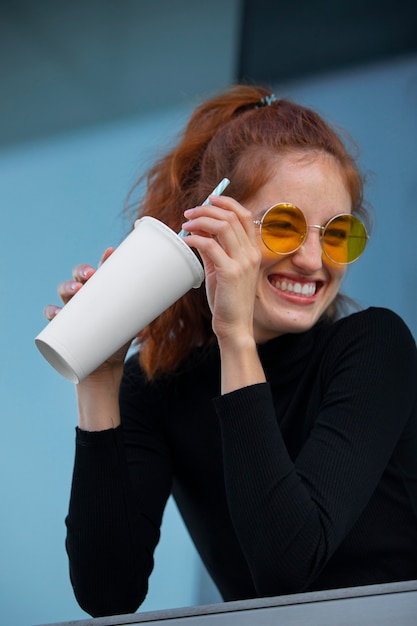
<point x="306" y="482"/>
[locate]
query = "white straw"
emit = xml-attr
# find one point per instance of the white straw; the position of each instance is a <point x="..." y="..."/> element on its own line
<point x="216" y="192"/>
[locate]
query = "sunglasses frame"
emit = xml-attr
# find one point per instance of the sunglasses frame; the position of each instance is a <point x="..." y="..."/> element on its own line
<point x="322" y="230"/>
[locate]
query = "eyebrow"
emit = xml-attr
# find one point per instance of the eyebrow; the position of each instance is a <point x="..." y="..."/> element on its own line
<point x="343" y="217"/>
<point x="283" y="210"/>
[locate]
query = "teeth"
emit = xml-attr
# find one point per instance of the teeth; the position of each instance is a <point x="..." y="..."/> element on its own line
<point x="307" y="289"/>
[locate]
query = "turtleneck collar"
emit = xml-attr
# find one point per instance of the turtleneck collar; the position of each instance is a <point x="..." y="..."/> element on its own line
<point x="284" y="358"/>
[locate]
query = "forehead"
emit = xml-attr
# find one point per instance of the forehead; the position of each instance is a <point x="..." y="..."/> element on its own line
<point x="312" y="181"/>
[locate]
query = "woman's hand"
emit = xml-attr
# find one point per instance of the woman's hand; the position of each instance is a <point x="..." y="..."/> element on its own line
<point x="98" y="393"/>
<point x="224" y="235"/>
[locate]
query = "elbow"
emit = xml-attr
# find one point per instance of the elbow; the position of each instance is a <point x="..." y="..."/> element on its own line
<point x="106" y="584"/>
<point x="271" y="586"/>
<point x="104" y="603"/>
<point x="109" y="590"/>
<point x="289" y="572"/>
<point x="285" y="581"/>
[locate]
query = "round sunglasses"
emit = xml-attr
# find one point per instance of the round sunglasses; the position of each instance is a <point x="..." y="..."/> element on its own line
<point x="284" y="229"/>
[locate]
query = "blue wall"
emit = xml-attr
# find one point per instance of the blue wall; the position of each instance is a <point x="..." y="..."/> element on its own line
<point x="61" y="203"/>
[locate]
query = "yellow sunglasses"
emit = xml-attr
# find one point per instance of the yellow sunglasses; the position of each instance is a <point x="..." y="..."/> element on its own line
<point x="283" y="229"/>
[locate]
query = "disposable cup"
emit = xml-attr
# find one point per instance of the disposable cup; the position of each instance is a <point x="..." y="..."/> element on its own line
<point x="150" y="270"/>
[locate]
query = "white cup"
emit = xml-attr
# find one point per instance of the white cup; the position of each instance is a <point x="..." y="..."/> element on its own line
<point x="150" y="270"/>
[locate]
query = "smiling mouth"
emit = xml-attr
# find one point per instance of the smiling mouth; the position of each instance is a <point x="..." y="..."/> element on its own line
<point x="299" y="289"/>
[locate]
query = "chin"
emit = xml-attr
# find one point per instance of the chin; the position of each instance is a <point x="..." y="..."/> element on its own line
<point x="293" y="323"/>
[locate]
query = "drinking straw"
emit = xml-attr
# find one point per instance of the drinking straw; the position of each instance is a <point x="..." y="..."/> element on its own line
<point x="216" y="192"/>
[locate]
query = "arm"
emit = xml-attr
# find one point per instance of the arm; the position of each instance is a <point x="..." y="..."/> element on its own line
<point x="224" y="235"/>
<point x="121" y="482"/>
<point x="291" y="515"/>
<point x="114" y="515"/>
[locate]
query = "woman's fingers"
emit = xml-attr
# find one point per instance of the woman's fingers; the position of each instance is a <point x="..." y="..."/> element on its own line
<point x="230" y="226"/>
<point x="66" y="290"/>
<point x="81" y="273"/>
<point x="226" y="218"/>
<point x="105" y="255"/>
<point x="50" y="311"/>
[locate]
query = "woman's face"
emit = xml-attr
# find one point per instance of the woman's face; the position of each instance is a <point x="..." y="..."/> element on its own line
<point x="313" y="182"/>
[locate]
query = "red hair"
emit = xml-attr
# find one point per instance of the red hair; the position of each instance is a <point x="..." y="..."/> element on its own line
<point x="227" y="136"/>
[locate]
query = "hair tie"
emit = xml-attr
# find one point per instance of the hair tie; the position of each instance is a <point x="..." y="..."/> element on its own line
<point x="266" y="101"/>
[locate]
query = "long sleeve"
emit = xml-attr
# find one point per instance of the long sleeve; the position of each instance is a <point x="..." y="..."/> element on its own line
<point x="291" y="514"/>
<point x="115" y="514"/>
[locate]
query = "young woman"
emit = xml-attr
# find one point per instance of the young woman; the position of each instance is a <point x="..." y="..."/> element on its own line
<point x="285" y="430"/>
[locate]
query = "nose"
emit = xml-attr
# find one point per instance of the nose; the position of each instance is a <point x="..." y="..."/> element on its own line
<point x="309" y="257"/>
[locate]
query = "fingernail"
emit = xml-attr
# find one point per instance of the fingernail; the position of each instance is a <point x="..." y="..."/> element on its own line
<point x="49" y="312"/>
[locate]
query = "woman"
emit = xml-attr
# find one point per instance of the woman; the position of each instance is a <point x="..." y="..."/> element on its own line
<point x="286" y="432"/>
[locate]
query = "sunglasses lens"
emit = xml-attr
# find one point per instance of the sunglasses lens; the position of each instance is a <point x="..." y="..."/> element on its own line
<point x="283" y="228"/>
<point x="344" y="239"/>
